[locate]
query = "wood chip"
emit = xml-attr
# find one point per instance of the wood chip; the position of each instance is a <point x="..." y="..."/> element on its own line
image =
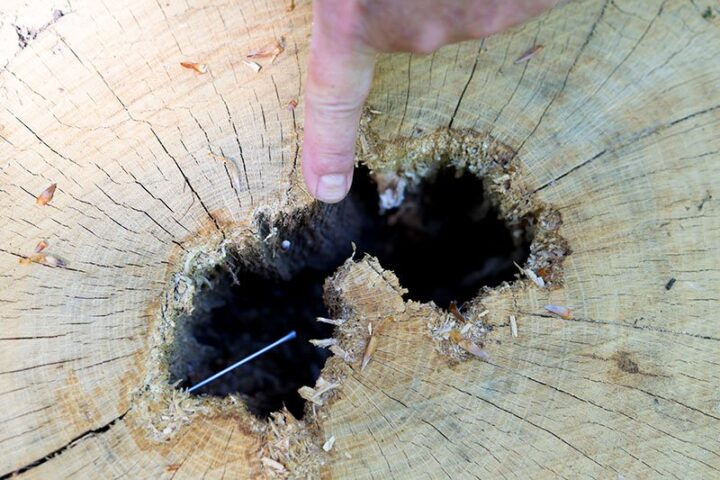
<point x="47" y="195"/>
<point x="254" y="66"/>
<point x="529" y="53"/>
<point x="198" y="67"/>
<point x="327" y="446"/>
<point x="560" y="311"/>
<point x="513" y="326"/>
<point x="270" y="463"/>
<point x="272" y="50"/>
<point x="323" y="343"/>
<point x="42" y="245"/>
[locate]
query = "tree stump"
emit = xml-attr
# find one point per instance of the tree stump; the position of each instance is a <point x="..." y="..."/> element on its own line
<point x="601" y="149"/>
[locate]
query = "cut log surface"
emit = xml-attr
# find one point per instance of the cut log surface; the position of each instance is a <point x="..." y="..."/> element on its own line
<point x="614" y="123"/>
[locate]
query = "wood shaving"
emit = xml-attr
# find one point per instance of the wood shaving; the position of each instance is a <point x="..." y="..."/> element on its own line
<point x="513" y="326"/>
<point x="318" y="395"/>
<point x="369" y="350"/>
<point x="336" y="322"/>
<point x="327" y="446"/>
<point x="46" y="195"/>
<point x="275" y="465"/>
<point x="272" y="50"/>
<point x="254" y="66"/>
<point x="42" y="245"/>
<point x="324" y="342"/>
<point x="537" y="280"/>
<point x="200" y="68"/>
<point x="560" y="311"/>
<point x="529" y="54"/>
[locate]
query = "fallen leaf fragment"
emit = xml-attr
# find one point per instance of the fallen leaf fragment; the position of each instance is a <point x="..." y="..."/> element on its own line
<point x="560" y="311"/>
<point x="529" y="54"/>
<point x="198" y="67"/>
<point x="47" y="195"/>
<point x="254" y="66"/>
<point x="327" y="446"/>
<point x="42" y="245"/>
<point x="270" y="463"/>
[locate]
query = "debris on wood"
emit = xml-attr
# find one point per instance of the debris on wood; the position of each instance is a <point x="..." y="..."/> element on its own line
<point x="560" y="311"/>
<point x="53" y="261"/>
<point x="272" y="50"/>
<point x="42" y="245"/>
<point x="290" y="7"/>
<point x="483" y="313"/>
<point x="200" y="68"/>
<point x="340" y="352"/>
<point x="43" y="259"/>
<point x="275" y="465"/>
<point x="323" y="343"/>
<point x="537" y="280"/>
<point x="254" y="66"/>
<point x="468" y="345"/>
<point x="336" y="322"/>
<point x="513" y="326"/>
<point x="32" y="259"/>
<point x="232" y="168"/>
<point x="456" y="313"/>
<point x="47" y="195"/>
<point x="291" y="105"/>
<point x="372" y="342"/>
<point x="529" y="53"/>
<point x="318" y="395"/>
<point x="369" y="350"/>
<point x="173" y="467"/>
<point x="670" y="283"/>
<point x="327" y="446"/>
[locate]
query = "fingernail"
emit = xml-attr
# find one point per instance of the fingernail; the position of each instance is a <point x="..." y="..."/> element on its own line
<point x="332" y="188"/>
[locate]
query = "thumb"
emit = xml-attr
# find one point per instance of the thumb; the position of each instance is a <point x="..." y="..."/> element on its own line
<point x="340" y="73"/>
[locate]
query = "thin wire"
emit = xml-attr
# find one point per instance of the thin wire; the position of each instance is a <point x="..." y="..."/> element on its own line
<point x="284" y="339"/>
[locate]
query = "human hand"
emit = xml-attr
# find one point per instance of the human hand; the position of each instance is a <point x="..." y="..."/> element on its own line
<point x="346" y="35"/>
